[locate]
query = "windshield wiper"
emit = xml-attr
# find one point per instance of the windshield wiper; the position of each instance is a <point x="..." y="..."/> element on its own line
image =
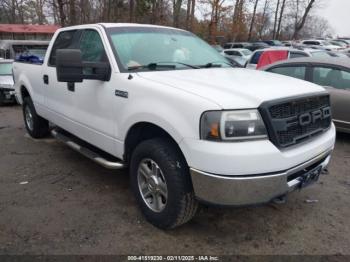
<point x="154" y="66"/>
<point x="180" y="63"/>
<point x="151" y="66"/>
<point x="214" y="64"/>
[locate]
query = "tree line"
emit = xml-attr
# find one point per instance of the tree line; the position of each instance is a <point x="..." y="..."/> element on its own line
<point x="214" y="20"/>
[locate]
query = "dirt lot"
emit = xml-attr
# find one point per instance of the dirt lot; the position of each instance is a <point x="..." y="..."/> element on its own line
<point x="70" y="205"/>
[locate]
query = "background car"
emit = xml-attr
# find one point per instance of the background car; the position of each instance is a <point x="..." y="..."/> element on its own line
<point x="218" y="48"/>
<point x="320" y="44"/>
<point x="332" y="73"/>
<point x="240" y="55"/>
<point x="273" y="42"/>
<point x="292" y="53"/>
<point x="231" y="45"/>
<point x="287" y="43"/>
<point x="339" y="43"/>
<point x="7" y="91"/>
<point x="234" y="63"/>
<point x="10" y="49"/>
<point x="345" y="40"/>
<point x="257" y="45"/>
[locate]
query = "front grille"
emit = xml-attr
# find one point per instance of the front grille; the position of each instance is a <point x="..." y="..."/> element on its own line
<point x="298" y="107"/>
<point x="294" y="120"/>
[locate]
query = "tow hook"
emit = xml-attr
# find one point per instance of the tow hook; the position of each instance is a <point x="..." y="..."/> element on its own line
<point x="280" y="200"/>
<point x="325" y="171"/>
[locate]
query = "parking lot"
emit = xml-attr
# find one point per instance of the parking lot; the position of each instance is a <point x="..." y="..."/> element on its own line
<point x="55" y="201"/>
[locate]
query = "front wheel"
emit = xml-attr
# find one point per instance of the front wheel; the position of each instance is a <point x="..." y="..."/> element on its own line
<point x="36" y="126"/>
<point x="161" y="183"/>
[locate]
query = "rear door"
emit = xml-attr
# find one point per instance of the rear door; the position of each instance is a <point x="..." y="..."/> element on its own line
<point x="337" y="82"/>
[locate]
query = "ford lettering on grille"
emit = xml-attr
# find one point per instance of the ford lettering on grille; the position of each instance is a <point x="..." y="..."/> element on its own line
<point x="294" y="120"/>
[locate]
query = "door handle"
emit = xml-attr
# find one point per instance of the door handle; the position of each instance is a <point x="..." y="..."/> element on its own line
<point x="46" y="79"/>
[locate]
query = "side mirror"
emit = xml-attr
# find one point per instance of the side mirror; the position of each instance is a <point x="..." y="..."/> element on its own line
<point x="71" y="68"/>
<point x="69" y="65"/>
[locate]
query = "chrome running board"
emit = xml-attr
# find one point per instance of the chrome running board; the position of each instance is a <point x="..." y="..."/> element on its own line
<point x="96" y="157"/>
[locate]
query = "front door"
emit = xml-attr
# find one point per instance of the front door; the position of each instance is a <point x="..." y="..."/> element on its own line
<point x="94" y="100"/>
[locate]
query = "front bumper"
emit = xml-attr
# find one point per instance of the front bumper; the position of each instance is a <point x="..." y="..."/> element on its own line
<point x="252" y="189"/>
<point x="9" y="93"/>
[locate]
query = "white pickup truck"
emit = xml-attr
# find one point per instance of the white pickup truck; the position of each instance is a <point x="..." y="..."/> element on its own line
<point x="190" y="128"/>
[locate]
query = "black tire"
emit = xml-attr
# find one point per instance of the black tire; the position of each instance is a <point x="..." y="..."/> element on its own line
<point x="40" y="126"/>
<point x="2" y="98"/>
<point x="181" y="204"/>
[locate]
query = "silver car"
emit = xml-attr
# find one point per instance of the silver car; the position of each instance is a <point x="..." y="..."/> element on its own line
<point x="7" y="91"/>
<point x="240" y="55"/>
<point x="332" y="73"/>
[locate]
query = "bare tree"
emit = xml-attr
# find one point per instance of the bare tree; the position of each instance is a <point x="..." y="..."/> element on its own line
<point x="253" y="20"/>
<point x="300" y="23"/>
<point x="176" y="12"/>
<point x="62" y="15"/>
<point x="263" y="19"/>
<point x="276" y="18"/>
<point x="131" y="10"/>
<point x="238" y="22"/>
<point x="277" y="34"/>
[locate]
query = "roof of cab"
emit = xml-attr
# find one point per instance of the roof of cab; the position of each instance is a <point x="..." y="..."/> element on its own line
<point x="110" y="25"/>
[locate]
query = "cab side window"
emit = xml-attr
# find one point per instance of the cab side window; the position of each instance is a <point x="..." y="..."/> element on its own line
<point x="292" y="71"/>
<point x="65" y="40"/>
<point x="91" y="47"/>
<point x="331" y="77"/>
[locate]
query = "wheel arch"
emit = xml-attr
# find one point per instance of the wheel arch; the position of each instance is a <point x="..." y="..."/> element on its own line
<point x="24" y="91"/>
<point x="142" y="131"/>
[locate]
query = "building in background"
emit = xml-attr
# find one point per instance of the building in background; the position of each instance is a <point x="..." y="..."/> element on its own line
<point x="27" y="32"/>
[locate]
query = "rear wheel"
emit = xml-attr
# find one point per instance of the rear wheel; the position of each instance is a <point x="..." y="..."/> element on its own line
<point x="2" y="98"/>
<point x="161" y="183"/>
<point x="36" y="126"/>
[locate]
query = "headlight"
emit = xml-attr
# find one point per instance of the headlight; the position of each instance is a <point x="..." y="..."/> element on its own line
<point x="232" y="125"/>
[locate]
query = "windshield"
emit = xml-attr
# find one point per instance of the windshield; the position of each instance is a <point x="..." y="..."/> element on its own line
<point x="247" y="52"/>
<point x="320" y="54"/>
<point x="140" y="46"/>
<point x="277" y="42"/>
<point x="5" y="68"/>
<point x="324" y="42"/>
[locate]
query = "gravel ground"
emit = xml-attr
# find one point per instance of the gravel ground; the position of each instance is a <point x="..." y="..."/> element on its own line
<point x="70" y="205"/>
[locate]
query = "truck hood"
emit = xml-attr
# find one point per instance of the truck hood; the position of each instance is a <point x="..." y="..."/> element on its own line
<point x="6" y="81"/>
<point x="232" y="88"/>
